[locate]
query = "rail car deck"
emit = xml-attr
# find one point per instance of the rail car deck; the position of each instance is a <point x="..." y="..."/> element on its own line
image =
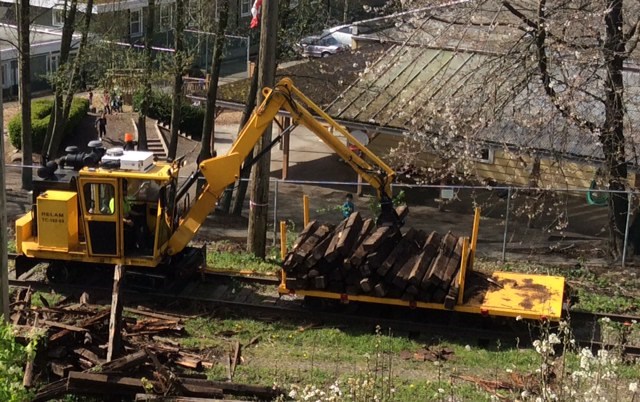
<point x="506" y="294"/>
<point x="536" y="297"/>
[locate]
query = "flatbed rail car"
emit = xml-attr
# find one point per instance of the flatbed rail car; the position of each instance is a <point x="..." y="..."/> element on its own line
<point x="505" y="294"/>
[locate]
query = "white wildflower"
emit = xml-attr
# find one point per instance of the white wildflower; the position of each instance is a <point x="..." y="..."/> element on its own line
<point x="633" y="387"/>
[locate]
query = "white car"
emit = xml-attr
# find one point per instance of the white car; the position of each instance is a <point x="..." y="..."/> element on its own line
<point x="321" y="46"/>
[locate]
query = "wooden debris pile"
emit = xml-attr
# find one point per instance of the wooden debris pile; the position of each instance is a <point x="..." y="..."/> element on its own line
<point x="358" y="258"/>
<point x="72" y="358"/>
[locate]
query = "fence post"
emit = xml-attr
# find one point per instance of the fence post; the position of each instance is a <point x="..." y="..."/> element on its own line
<point x="283" y="240"/>
<point x="506" y="226"/>
<point x="275" y="212"/>
<point x="305" y="207"/>
<point x="626" y="229"/>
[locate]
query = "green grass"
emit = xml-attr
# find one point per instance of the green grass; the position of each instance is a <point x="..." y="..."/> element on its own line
<point x="11" y="245"/>
<point x="51" y="298"/>
<point x="232" y="256"/>
<point x="286" y="355"/>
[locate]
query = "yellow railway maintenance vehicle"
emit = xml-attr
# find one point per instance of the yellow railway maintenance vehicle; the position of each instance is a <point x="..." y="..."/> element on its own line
<point x="110" y="207"/>
<point x="113" y="206"/>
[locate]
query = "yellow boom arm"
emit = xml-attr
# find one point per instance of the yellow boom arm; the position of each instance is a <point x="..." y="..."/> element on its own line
<point x="224" y="170"/>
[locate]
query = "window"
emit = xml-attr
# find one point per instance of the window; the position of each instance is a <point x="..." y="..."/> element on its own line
<point x="166" y="14"/>
<point x="99" y="198"/>
<point x="135" y="22"/>
<point x="52" y="63"/>
<point x="57" y="17"/>
<point x="5" y="76"/>
<point x="245" y="8"/>
<point x="484" y="155"/>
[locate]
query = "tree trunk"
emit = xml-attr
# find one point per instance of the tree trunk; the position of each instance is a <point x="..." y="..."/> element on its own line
<point x="241" y="185"/>
<point x="612" y="136"/>
<point x="176" y="102"/>
<point x="24" y="60"/>
<point x="77" y="64"/>
<point x="148" y="61"/>
<point x="58" y="121"/>
<point x="212" y="91"/>
<point x="259" y="183"/>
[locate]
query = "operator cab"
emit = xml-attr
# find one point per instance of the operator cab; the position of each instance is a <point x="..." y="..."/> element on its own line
<point x="127" y="204"/>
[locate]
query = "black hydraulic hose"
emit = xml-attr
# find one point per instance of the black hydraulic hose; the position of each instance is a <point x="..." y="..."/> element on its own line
<point x="266" y="149"/>
<point x="187" y="185"/>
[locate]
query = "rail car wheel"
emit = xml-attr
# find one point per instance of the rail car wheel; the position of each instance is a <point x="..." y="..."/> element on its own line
<point x="320" y="304"/>
<point x="60" y="272"/>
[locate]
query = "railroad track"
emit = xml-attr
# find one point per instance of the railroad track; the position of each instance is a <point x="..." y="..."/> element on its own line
<point x="255" y="296"/>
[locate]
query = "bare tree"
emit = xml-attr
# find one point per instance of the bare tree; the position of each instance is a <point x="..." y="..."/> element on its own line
<point x="214" y="75"/>
<point x="524" y="71"/>
<point x="176" y="102"/>
<point x="24" y="61"/>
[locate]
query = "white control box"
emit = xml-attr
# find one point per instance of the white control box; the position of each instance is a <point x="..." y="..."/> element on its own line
<point x="136" y="161"/>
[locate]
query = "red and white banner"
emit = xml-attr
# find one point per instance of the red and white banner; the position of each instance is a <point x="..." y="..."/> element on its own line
<point x="255" y="12"/>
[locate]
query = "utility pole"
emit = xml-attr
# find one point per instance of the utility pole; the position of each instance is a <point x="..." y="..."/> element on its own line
<point x="259" y="179"/>
<point x="4" y="265"/>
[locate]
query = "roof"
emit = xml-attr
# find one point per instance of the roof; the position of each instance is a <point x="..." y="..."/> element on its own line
<point x="43" y="40"/>
<point x="469" y="79"/>
<point x="321" y="79"/>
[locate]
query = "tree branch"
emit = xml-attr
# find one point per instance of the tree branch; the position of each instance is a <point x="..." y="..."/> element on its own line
<point x="632" y="38"/>
<point x="543" y="63"/>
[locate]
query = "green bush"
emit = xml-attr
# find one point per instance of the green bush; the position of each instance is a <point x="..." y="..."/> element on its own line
<point x="12" y="358"/>
<point x="40" y="115"/>
<point x="191" y="117"/>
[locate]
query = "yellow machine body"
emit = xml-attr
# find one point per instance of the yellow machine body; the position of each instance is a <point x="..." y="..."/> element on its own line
<point x="58" y="220"/>
<point x="101" y="193"/>
<point x="88" y="224"/>
<point x="508" y="294"/>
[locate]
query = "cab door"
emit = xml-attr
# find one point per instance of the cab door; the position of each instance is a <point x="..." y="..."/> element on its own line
<point x="101" y="208"/>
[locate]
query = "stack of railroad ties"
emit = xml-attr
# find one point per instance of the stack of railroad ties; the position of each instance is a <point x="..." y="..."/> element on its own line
<point x="358" y="258"/>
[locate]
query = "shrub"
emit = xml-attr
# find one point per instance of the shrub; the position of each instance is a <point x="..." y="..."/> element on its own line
<point x="191" y="117"/>
<point x="12" y="357"/>
<point x="40" y="116"/>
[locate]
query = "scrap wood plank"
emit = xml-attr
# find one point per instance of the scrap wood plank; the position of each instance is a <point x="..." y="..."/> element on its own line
<point x="402" y="211"/>
<point x="302" y="237"/>
<point x="104" y="384"/>
<point x="89" y="355"/>
<point x="452" y="266"/>
<point x="439" y="268"/>
<point x="237" y="389"/>
<point x="430" y="249"/>
<point x="400" y="280"/>
<point x="397" y="252"/>
<point x="51" y="391"/>
<point x="152" y="314"/>
<point x="68" y="327"/>
<point x="367" y="227"/>
<point x="125" y="363"/>
<point x="375" y="259"/>
<point x="400" y="262"/>
<point x="306" y="248"/>
<point x="377" y="237"/>
<point x="86" y="323"/>
<point x="330" y="252"/>
<point x="236" y="358"/>
<point x="115" y="319"/>
<point x="159" y="398"/>
<point x="439" y="264"/>
<point x="350" y="234"/>
<point x="318" y="252"/>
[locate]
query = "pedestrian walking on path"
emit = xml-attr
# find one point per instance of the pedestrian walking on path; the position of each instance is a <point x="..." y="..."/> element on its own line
<point x="101" y="125"/>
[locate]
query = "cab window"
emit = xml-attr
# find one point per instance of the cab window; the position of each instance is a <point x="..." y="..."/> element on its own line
<point x="99" y="198"/>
